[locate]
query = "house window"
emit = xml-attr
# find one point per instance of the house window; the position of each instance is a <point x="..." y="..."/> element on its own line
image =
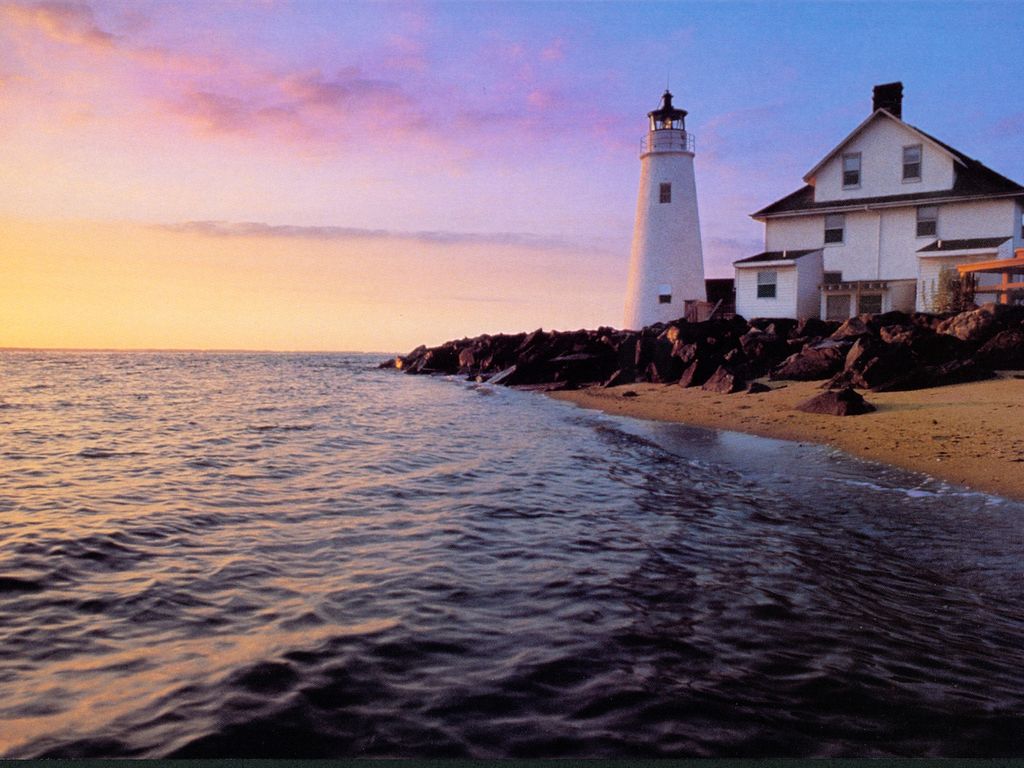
<point x="831" y="278"/>
<point x="851" y="170"/>
<point x="665" y="193"/>
<point x="927" y="220"/>
<point x="912" y="163"/>
<point x="837" y="307"/>
<point x="665" y="294"/>
<point x="871" y="304"/>
<point x="834" y="224"/>
<point x="766" y="284"/>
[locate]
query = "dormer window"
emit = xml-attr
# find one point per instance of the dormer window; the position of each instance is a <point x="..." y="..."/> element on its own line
<point x="912" y="163"/>
<point x="851" y="170"/>
<point x="927" y="221"/>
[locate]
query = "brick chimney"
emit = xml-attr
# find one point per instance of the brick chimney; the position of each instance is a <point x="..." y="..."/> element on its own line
<point x="890" y="98"/>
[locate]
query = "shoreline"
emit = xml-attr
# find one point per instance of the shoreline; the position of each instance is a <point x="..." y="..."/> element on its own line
<point x="967" y="434"/>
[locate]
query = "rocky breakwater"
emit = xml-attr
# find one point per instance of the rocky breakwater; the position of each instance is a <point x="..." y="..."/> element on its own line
<point x="886" y="352"/>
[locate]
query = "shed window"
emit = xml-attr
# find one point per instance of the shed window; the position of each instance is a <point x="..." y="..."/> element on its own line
<point x="834" y="224"/>
<point x="766" y="284"/>
<point x="665" y="193"/>
<point x="912" y="163"/>
<point x="831" y="278"/>
<point x="851" y="170"/>
<point x="927" y="220"/>
<point x="837" y="307"/>
<point x="664" y="294"/>
<point x="871" y="304"/>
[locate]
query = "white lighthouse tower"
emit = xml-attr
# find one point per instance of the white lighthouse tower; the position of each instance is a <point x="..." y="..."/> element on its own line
<point x="666" y="264"/>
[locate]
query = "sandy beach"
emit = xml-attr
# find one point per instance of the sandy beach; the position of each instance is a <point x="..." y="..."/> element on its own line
<point x="970" y="434"/>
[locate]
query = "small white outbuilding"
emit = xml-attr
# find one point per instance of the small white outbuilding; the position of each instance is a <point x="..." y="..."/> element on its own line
<point x="779" y="284"/>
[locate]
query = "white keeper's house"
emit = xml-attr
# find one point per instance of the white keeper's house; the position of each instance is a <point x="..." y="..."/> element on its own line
<point x="879" y="218"/>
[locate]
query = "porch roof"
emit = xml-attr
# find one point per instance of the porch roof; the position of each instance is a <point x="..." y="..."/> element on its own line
<point x="1004" y="266"/>
<point x="958" y="247"/>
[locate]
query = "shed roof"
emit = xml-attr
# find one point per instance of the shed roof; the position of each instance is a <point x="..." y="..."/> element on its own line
<point x="776" y="256"/>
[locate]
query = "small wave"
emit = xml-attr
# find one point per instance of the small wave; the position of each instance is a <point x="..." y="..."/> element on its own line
<point x="282" y="427"/>
<point x="106" y="453"/>
<point x="12" y="584"/>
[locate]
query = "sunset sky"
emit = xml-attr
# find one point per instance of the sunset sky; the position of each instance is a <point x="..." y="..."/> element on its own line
<point x="345" y="176"/>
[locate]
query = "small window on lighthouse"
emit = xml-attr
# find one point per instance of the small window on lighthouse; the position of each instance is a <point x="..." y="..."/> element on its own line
<point x="665" y="294"/>
<point x="666" y="194"/>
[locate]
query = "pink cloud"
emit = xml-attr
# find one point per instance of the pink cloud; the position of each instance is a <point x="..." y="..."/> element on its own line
<point x="220" y="91"/>
<point x="67" y="22"/>
<point x="554" y="51"/>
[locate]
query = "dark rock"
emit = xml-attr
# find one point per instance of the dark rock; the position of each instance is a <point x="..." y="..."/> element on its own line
<point x="630" y="393"/>
<point x="763" y="350"/>
<point x="813" y="328"/>
<point x="927" y="376"/>
<point x="842" y="402"/>
<point x="811" y="364"/>
<point x="756" y="388"/>
<point x="893" y="317"/>
<point x="685" y="351"/>
<point x="1004" y="351"/>
<point x="870" y="363"/>
<point x="699" y="371"/>
<point x="467" y="358"/>
<point x="782" y="327"/>
<point x="626" y="351"/>
<point x="851" y="329"/>
<point x="977" y="325"/>
<point x="724" y="382"/>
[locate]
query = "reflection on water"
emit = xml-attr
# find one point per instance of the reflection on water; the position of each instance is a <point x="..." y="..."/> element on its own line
<point x="298" y="555"/>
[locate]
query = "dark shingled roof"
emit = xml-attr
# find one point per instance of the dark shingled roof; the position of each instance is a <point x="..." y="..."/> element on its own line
<point x="962" y="245"/>
<point x="973" y="179"/>
<point x="776" y="256"/>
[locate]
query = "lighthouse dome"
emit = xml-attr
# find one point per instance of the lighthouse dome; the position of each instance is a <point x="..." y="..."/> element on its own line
<point x="667" y="117"/>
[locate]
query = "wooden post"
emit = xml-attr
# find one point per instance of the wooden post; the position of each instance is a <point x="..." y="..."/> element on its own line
<point x="1004" y="297"/>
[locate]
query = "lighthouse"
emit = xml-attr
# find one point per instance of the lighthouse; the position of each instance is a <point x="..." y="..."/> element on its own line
<point x="666" y="264"/>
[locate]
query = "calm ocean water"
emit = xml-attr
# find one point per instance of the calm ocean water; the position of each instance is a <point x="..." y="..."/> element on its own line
<point x="300" y="555"/>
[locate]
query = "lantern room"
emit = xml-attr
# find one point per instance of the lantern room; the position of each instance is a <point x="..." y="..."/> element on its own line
<point x="666" y="117"/>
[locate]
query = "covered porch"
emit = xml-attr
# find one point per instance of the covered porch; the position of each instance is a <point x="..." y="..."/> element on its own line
<point x="1009" y="289"/>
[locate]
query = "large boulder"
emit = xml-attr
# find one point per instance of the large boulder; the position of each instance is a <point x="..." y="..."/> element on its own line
<point x="926" y="376"/>
<point x="1004" y="351"/>
<point x="841" y="402"/>
<point x="853" y="328"/>
<point x="976" y="326"/>
<point x="811" y="364"/>
<point x="870" y="363"/>
<point x="724" y="381"/>
<point x="699" y="371"/>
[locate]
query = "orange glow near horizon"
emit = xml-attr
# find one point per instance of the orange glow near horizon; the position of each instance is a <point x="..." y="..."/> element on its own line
<point x="127" y="286"/>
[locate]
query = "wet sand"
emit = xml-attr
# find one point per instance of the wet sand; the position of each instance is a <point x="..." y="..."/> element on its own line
<point x="970" y="434"/>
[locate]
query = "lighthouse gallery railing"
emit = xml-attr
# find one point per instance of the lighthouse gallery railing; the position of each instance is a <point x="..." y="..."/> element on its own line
<point x="667" y="141"/>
